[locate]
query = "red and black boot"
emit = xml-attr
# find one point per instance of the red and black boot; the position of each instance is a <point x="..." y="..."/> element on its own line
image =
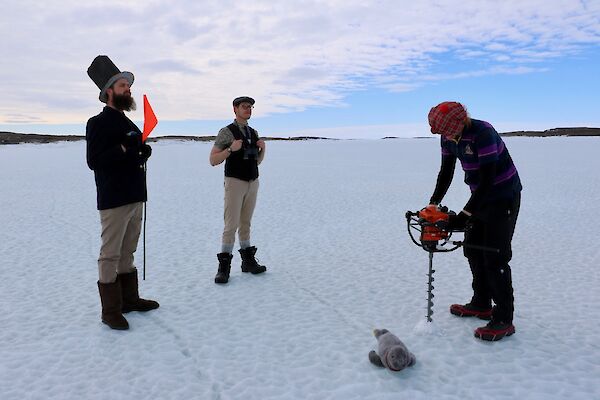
<point x="469" y="310"/>
<point x="495" y="330"/>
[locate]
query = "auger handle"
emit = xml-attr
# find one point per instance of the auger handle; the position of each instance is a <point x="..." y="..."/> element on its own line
<point x="477" y="247"/>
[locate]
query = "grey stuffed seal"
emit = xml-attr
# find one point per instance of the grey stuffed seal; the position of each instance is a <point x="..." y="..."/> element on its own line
<point x="391" y="352"/>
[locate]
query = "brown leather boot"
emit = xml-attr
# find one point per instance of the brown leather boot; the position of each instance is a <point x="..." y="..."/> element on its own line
<point x="110" y="296"/>
<point x="131" y="296"/>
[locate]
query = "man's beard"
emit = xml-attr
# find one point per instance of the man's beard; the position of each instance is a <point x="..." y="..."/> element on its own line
<point x="124" y="102"/>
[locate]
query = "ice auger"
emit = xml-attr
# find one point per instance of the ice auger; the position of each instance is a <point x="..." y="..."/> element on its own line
<point x="434" y="237"/>
<point x="431" y="223"/>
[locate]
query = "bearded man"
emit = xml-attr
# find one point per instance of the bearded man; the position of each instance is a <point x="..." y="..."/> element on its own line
<point x="116" y="154"/>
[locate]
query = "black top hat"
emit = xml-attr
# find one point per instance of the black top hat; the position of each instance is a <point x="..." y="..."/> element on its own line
<point x="244" y="99"/>
<point x="105" y="73"/>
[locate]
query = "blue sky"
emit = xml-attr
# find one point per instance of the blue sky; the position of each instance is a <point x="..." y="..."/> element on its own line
<point x="349" y="69"/>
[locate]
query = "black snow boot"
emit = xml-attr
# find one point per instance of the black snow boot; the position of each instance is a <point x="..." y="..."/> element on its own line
<point x="249" y="263"/>
<point x="224" y="267"/>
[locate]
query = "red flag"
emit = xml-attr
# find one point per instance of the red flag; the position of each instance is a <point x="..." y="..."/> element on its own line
<point x="150" y="120"/>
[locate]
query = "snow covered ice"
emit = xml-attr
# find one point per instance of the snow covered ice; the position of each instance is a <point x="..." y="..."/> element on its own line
<point x="330" y="227"/>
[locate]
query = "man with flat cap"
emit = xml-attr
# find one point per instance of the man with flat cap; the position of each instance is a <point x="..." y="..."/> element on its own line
<point x="242" y="150"/>
<point x="117" y="156"/>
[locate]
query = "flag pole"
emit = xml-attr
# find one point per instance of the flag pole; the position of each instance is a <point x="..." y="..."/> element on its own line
<point x="144" y="231"/>
<point x="150" y="122"/>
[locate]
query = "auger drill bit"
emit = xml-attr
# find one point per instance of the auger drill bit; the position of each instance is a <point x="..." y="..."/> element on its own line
<point x="430" y="288"/>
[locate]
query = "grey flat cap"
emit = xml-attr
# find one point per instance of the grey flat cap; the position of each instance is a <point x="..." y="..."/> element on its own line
<point x="244" y="99"/>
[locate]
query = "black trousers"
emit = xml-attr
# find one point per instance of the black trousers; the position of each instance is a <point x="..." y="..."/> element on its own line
<point x="493" y="227"/>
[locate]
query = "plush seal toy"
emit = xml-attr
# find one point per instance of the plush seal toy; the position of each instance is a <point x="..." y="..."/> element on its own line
<point x="391" y="352"/>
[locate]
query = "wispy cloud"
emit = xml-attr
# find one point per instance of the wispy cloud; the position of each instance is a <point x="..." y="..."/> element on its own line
<point x="21" y="119"/>
<point x="193" y="57"/>
<point x="171" y="66"/>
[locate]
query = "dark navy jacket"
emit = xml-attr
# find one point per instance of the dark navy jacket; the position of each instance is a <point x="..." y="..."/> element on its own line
<point x="120" y="176"/>
<point x="488" y="166"/>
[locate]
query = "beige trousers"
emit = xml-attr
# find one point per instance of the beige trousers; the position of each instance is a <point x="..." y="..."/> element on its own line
<point x="240" y="200"/>
<point x="121" y="228"/>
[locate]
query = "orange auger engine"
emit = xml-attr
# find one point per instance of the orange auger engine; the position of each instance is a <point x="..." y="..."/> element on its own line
<point x="433" y="220"/>
<point x="431" y="223"/>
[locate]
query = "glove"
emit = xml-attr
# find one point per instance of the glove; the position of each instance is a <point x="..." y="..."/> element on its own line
<point x="133" y="140"/>
<point x="457" y="222"/>
<point x="145" y="152"/>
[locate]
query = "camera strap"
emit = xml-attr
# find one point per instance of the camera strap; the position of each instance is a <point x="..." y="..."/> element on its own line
<point x="248" y="134"/>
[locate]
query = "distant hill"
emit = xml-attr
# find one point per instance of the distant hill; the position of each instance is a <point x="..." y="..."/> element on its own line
<point x="557" y="132"/>
<point x="212" y="138"/>
<point x="16" y="138"/>
<point x="582" y="131"/>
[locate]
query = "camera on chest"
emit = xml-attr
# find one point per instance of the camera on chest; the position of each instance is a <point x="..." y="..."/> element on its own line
<point x="250" y="152"/>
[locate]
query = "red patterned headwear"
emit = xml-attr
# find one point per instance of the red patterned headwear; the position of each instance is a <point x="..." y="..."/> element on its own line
<point x="447" y="118"/>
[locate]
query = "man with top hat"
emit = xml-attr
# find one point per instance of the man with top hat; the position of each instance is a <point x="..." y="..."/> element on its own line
<point x="489" y="216"/>
<point x="242" y="150"/>
<point x="117" y="156"/>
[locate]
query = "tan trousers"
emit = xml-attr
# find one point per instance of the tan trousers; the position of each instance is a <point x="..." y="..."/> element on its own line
<point x="240" y="200"/>
<point x="121" y="228"/>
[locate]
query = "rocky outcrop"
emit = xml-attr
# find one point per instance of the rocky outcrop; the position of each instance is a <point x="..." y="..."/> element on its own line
<point x="557" y="132"/>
